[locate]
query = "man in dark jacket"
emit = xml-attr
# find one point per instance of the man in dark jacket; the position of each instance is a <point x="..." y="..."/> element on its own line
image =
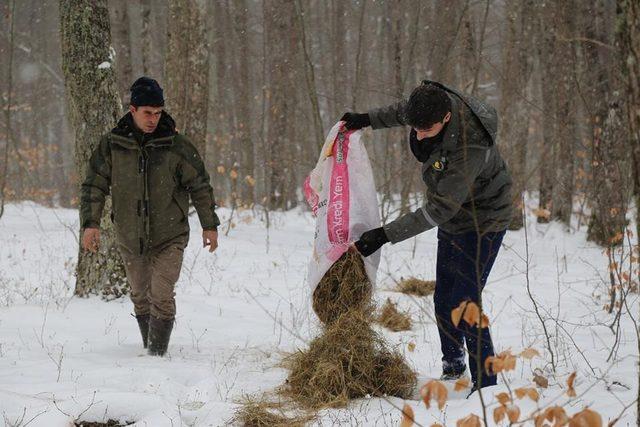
<point x="151" y="171"/>
<point x="468" y="199"/>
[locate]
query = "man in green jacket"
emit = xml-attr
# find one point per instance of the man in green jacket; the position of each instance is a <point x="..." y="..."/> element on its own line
<point x="468" y="199"/>
<point x="151" y="171"/>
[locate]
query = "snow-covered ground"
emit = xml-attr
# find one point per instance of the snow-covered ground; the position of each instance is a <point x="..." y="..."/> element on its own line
<point x="240" y="309"/>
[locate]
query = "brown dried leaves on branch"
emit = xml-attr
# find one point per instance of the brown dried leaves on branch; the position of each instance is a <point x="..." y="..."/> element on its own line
<point x="434" y="390"/>
<point x="470" y="313"/>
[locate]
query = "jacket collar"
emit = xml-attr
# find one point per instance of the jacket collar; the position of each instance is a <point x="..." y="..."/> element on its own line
<point x="127" y="135"/>
<point x="451" y="135"/>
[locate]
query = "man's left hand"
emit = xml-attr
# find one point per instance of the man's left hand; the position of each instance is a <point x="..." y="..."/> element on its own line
<point x="371" y="241"/>
<point x="210" y="238"/>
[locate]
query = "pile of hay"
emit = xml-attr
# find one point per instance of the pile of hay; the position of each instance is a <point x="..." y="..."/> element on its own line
<point x="349" y="360"/>
<point x="254" y="413"/>
<point x="414" y="286"/>
<point x="344" y="287"/>
<point x="391" y="318"/>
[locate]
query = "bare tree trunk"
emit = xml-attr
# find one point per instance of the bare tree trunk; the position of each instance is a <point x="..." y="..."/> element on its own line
<point x="566" y="129"/>
<point x="629" y="35"/>
<point x="94" y="107"/>
<point x="187" y="70"/>
<point x="281" y="101"/>
<point x="7" y="110"/>
<point x="549" y="118"/>
<point x="119" y="18"/>
<point x="311" y="81"/>
<point x="609" y="189"/>
<point x="514" y="112"/>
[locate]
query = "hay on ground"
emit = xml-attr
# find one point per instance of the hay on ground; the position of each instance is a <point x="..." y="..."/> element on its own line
<point x="348" y="361"/>
<point x="262" y="413"/>
<point x="344" y="287"/>
<point x="391" y="318"/>
<point x="415" y="286"/>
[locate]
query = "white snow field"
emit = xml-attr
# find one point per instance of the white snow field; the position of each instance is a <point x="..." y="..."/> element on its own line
<point x="242" y="308"/>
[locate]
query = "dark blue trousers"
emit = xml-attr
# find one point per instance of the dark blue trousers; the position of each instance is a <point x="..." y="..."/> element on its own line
<point x="463" y="266"/>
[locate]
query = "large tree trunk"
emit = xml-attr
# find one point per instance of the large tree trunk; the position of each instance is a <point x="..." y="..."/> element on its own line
<point x="187" y="70"/>
<point x="281" y="95"/>
<point x="549" y="121"/>
<point x="629" y="36"/>
<point x="609" y="186"/>
<point x="119" y="18"/>
<point x="514" y="110"/>
<point x="566" y="129"/>
<point x="94" y="107"/>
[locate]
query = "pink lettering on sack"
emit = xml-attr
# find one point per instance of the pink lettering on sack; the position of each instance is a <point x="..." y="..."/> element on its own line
<point x="311" y="196"/>
<point x="338" y="209"/>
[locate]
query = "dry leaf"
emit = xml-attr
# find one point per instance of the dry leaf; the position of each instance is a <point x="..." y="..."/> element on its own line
<point x="411" y="346"/>
<point x="434" y="390"/>
<point x="530" y="392"/>
<point x="408" y="418"/>
<point x="503" y="398"/>
<point x="456" y="313"/>
<point x="436" y="425"/>
<point x="471" y="314"/>
<point x="513" y="412"/>
<point x="493" y="365"/>
<point x="586" y="418"/>
<point x="499" y="413"/>
<point x="540" y="381"/>
<point x="469" y="421"/>
<point x="461" y="384"/>
<point x="556" y="415"/>
<point x="529" y="353"/>
<point x="571" y="392"/>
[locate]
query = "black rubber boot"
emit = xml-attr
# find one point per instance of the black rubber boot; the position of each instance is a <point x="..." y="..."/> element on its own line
<point x="159" y="334"/>
<point x="143" y="323"/>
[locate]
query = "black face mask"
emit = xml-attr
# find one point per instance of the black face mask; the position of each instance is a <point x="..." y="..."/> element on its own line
<point x="425" y="147"/>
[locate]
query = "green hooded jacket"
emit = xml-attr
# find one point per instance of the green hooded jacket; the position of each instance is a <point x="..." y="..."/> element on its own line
<point x="150" y="177"/>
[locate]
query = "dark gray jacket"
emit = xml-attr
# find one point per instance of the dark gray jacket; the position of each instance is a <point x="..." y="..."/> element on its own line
<point x="468" y="184"/>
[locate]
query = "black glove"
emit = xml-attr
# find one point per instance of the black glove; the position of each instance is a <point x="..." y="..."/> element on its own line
<point x="354" y="121"/>
<point x="371" y="241"/>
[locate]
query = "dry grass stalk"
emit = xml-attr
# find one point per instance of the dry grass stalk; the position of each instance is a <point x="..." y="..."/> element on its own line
<point x="393" y="319"/>
<point x="415" y="286"/>
<point x="345" y="287"/>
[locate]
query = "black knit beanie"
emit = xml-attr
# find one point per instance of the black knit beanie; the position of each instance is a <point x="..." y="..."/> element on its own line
<point x="146" y="92"/>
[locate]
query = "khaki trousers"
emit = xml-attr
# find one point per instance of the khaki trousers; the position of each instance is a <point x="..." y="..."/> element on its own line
<point x="152" y="277"/>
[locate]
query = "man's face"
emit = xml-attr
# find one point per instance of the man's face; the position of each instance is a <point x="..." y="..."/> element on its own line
<point x="146" y="118"/>
<point x="433" y="130"/>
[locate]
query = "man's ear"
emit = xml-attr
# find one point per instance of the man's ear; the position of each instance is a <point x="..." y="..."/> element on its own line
<point x="447" y="117"/>
<point x="132" y="109"/>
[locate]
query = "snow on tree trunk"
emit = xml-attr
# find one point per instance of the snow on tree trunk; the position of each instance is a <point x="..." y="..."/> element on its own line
<point x="94" y="107"/>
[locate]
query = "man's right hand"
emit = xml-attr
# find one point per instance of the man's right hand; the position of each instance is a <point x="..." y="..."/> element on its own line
<point x="91" y="239"/>
<point x="354" y="121"/>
